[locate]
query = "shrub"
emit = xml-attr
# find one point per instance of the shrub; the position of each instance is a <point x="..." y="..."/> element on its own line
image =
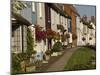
<point x="16" y="60"/>
<point x="57" y="47"/>
<point x="15" y="64"/>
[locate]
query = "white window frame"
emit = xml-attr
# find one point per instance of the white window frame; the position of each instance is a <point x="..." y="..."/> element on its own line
<point x="40" y="10"/>
<point x="33" y="6"/>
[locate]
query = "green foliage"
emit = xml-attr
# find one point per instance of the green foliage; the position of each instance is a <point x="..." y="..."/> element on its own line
<point x="29" y="41"/>
<point x="80" y="60"/>
<point x="15" y="64"/>
<point x="16" y="60"/>
<point x="57" y="47"/>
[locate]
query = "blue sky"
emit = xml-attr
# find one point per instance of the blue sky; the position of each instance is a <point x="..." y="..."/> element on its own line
<point x="86" y="10"/>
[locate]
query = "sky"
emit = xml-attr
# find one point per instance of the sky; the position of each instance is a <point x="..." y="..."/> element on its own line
<point x="86" y="10"/>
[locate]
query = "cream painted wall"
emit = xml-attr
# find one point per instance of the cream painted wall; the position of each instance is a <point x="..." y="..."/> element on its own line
<point x="80" y="35"/>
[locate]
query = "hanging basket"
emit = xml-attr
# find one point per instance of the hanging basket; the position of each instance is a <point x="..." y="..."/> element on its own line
<point x="74" y="36"/>
<point x="83" y="38"/>
<point x="50" y="33"/>
<point x="40" y="34"/>
<point x="68" y="36"/>
<point x="90" y="38"/>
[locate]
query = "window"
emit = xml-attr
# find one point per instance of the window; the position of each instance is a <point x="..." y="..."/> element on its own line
<point x="19" y="41"/>
<point x="69" y="25"/>
<point x="33" y="6"/>
<point x="40" y="10"/>
<point x="16" y="47"/>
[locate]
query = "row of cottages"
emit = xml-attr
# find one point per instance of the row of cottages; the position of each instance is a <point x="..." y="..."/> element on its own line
<point x="86" y="30"/>
<point x="41" y="18"/>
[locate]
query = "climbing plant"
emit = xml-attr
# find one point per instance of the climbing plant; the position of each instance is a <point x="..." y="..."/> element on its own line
<point x="29" y="41"/>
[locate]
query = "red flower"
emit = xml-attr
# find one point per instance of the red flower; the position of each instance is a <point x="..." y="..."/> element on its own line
<point x="40" y="35"/>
